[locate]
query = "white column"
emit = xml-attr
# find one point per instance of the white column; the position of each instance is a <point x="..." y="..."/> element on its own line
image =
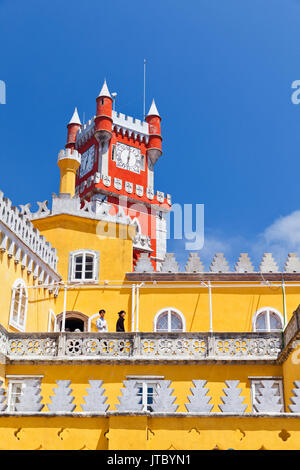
<point x="63" y="324"/>
<point x="137" y="307"/>
<point x="132" y="306"/>
<point x="210" y="308"/>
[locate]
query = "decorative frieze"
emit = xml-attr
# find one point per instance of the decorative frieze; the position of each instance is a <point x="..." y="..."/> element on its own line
<point x="160" y="196"/>
<point x="232" y="401"/>
<point x="134" y="400"/>
<point x="268" y="401"/>
<point x="95" y="401"/>
<point x="292" y="264"/>
<point x="150" y="193"/>
<point x="128" y="187"/>
<point x="62" y="400"/>
<point x="118" y="183"/>
<point x="295" y="399"/>
<point x="219" y="264"/>
<point x="194" y="264"/>
<point x="3" y="404"/>
<point x="199" y="400"/>
<point x="163" y="400"/>
<point x="144" y="264"/>
<point x="107" y="180"/>
<point x="129" y="400"/>
<point x="244" y="264"/>
<point x="169" y="265"/>
<point x="268" y="264"/>
<point x="30" y="399"/>
<point x="139" y="190"/>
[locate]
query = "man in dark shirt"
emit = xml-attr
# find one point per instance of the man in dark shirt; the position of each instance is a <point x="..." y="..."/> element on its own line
<point x="120" y="322"/>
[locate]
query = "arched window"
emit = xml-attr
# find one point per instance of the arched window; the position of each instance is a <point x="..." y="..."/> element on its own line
<point x="267" y="319"/>
<point x="169" y="320"/>
<point x="74" y="321"/>
<point x="84" y="266"/>
<point x="19" y="302"/>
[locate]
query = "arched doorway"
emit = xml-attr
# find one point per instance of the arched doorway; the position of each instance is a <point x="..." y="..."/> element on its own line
<point x="74" y="321"/>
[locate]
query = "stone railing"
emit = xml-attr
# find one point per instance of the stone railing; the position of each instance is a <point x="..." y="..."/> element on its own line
<point x="152" y="347"/>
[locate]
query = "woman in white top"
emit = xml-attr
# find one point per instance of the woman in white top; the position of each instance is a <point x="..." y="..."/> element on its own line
<point x="101" y="322"/>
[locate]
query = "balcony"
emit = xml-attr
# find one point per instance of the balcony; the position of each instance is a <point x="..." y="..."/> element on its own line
<point x="141" y="347"/>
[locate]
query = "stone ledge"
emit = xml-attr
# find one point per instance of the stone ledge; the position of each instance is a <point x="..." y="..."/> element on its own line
<point x="44" y="414"/>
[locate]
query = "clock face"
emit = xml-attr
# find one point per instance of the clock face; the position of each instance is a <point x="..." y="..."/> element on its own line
<point x="87" y="161"/>
<point x="128" y="158"/>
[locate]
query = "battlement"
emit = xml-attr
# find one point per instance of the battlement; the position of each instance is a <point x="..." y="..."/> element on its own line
<point x="130" y="123"/>
<point x="69" y="153"/>
<point x="23" y="242"/>
<point x="85" y="132"/>
<point x="126" y="124"/>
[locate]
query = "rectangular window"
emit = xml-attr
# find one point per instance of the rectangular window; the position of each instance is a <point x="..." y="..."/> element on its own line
<point x="19" y="302"/>
<point x="146" y="392"/>
<point x="258" y="393"/>
<point x="14" y="392"/>
<point x="113" y="153"/>
<point x="84" y="266"/>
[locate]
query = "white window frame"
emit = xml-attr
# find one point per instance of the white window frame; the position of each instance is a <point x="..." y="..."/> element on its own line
<point x="143" y="381"/>
<point x="256" y="380"/>
<point x="169" y="311"/>
<point x="144" y="385"/>
<point x="18" y="284"/>
<point x="14" y="380"/>
<point x="72" y="257"/>
<point x="268" y="310"/>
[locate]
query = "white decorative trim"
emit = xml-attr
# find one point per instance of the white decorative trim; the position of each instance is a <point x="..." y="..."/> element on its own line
<point x="128" y="187"/>
<point x="107" y="180"/>
<point x="292" y="264"/>
<point x="85" y="132"/>
<point x="150" y="193"/>
<point x="139" y="190"/>
<point x="70" y="154"/>
<point x="140" y="129"/>
<point x="268" y="264"/>
<point x="118" y="183"/>
<point x="160" y="196"/>
<point x="18" y="232"/>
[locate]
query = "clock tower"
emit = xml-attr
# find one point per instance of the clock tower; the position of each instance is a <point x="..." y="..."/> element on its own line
<point x="118" y="155"/>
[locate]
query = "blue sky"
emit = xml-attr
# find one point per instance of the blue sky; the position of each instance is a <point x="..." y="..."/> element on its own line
<point x="221" y="74"/>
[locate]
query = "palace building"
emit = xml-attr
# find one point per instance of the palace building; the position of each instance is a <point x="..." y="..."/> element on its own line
<point x="210" y="357"/>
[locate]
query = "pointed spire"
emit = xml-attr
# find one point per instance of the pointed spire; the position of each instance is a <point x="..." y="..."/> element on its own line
<point x="153" y="110"/>
<point x="75" y="118"/>
<point x="104" y="91"/>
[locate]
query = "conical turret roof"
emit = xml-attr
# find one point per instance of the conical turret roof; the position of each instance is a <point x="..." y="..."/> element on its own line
<point x="153" y="110"/>
<point x="104" y="91"/>
<point x="75" y="118"/>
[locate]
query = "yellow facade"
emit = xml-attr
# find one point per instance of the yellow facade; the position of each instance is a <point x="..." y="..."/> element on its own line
<point x="216" y="344"/>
